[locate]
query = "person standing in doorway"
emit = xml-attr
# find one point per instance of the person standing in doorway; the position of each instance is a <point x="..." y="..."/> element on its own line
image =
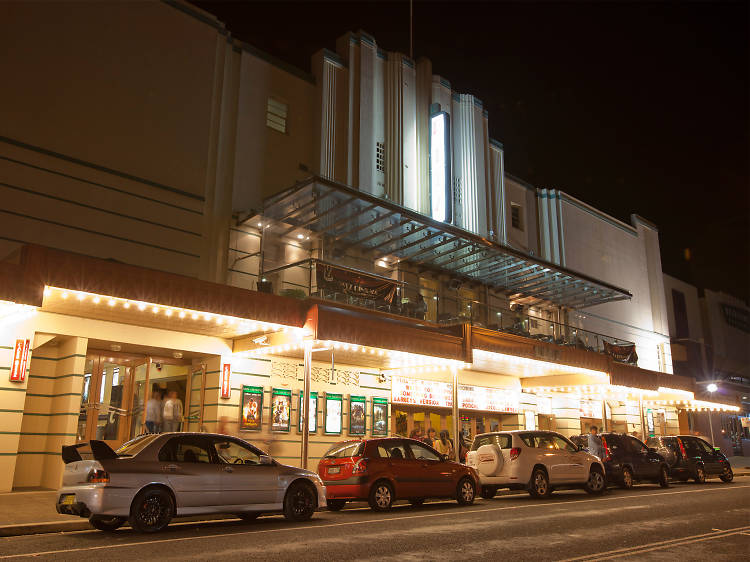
<point x="154" y="411"/>
<point x="172" y="415"/>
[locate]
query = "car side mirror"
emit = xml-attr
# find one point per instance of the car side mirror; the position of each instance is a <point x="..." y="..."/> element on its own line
<point x="266" y="459"/>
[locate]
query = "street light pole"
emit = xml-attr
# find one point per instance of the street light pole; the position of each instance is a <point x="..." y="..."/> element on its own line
<point x="711" y="389"/>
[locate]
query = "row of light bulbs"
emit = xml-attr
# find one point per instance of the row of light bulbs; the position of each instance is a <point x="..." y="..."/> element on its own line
<point x="544" y="365"/>
<point x="695" y="405"/>
<point x="181" y="313"/>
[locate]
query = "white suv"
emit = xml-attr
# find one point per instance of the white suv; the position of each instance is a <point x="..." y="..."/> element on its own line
<point x="538" y="461"/>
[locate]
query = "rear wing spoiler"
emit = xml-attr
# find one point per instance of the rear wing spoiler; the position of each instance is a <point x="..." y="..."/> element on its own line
<point x="99" y="450"/>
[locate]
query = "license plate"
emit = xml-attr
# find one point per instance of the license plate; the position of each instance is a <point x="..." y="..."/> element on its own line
<point x="334" y="470"/>
<point x="68" y="499"/>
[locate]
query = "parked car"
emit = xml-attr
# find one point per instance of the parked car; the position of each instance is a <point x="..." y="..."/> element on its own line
<point x="537" y="461"/>
<point x="628" y="460"/>
<point x="154" y="478"/>
<point x="382" y="471"/>
<point x="689" y="456"/>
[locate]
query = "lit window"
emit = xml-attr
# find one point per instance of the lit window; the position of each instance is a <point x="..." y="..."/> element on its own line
<point x="380" y="157"/>
<point x="276" y="115"/>
<point x="515" y="216"/>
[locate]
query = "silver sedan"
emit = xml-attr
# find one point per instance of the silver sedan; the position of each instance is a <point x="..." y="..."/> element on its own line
<point x="154" y="478"/>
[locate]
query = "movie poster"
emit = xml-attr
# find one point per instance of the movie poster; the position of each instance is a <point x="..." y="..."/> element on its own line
<point x="333" y="413"/>
<point x="281" y="409"/>
<point x="313" y="425"/>
<point x="357" y="424"/>
<point x="251" y="408"/>
<point x="379" y="416"/>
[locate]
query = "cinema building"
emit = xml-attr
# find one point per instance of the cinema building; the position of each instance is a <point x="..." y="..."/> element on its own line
<point x="344" y="242"/>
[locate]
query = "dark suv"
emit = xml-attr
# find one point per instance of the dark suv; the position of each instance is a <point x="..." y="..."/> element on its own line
<point x="692" y="457"/>
<point x="628" y="460"/>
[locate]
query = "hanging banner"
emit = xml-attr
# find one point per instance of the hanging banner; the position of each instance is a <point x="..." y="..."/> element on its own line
<point x="20" y="358"/>
<point x="251" y="408"/>
<point x="488" y="399"/>
<point x="421" y="393"/>
<point x="333" y="413"/>
<point x="226" y="375"/>
<point x="622" y="353"/>
<point x="357" y="409"/>
<point x="332" y="279"/>
<point x="379" y="416"/>
<point x="313" y="425"/>
<point x="281" y="409"/>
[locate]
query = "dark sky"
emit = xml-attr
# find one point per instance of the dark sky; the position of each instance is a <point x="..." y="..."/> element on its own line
<point x="632" y="107"/>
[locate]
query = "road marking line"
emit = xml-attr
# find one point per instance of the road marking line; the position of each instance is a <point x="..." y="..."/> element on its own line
<point x="363" y="522"/>
<point x="627" y="551"/>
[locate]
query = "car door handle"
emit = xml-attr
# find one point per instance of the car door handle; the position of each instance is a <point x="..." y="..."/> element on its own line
<point x="170" y="468"/>
<point x="228" y="469"/>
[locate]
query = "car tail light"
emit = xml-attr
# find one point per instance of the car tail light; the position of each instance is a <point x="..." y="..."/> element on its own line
<point x="682" y="448"/>
<point x="360" y="466"/>
<point x="607" y="453"/>
<point x="515" y="452"/>
<point x="98" y="476"/>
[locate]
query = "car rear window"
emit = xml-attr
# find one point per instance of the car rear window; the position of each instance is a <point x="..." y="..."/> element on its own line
<point x="135" y="446"/>
<point x="502" y="440"/>
<point x="347" y="449"/>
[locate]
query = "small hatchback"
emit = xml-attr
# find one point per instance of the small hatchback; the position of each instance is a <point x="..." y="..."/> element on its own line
<point x="689" y="456"/>
<point x="381" y="471"/>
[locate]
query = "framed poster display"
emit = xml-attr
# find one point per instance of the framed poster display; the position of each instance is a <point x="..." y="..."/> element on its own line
<point x="313" y="425"/>
<point x="333" y="414"/>
<point x="281" y="409"/>
<point x="379" y="416"/>
<point x="251" y="408"/>
<point x="357" y="409"/>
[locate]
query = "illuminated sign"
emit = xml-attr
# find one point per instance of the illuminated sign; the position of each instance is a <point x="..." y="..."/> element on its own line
<point x="590" y="409"/>
<point x="226" y="375"/>
<point x="487" y="399"/>
<point x="357" y="409"/>
<point x="529" y="420"/>
<point x="20" y="358"/>
<point x="421" y="393"/>
<point x="333" y="413"/>
<point x="281" y="409"/>
<point x="440" y="167"/>
<point x="313" y="412"/>
<point x="379" y="416"/>
<point x="251" y="408"/>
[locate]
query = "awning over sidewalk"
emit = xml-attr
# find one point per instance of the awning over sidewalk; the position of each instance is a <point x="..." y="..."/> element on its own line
<point x="355" y="218"/>
<point x="635" y="377"/>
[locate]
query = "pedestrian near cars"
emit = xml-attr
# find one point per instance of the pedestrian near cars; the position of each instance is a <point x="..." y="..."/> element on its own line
<point x="154" y="411"/>
<point x="595" y="442"/>
<point x="430" y="439"/>
<point x="444" y="445"/>
<point x="172" y="413"/>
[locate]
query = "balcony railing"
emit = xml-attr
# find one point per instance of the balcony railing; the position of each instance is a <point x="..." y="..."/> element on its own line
<point x="450" y="310"/>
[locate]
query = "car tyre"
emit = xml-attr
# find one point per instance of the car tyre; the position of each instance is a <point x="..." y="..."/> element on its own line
<point x="626" y="481"/>
<point x="727" y="475"/>
<point x="416" y="501"/>
<point x="151" y="510"/>
<point x="663" y="480"/>
<point x="466" y="491"/>
<point x="700" y="475"/>
<point x="335" y="505"/>
<point x="488" y="492"/>
<point x="249" y="516"/>
<point x="381" y="496"/>
<point x="539" y="484"/>
<point x="596" y="484"/>
<point x="107" y="524"/>
<point x="300" y="502"/>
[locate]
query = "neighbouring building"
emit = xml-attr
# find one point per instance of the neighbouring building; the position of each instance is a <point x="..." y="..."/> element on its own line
<point x="183" y="213"/>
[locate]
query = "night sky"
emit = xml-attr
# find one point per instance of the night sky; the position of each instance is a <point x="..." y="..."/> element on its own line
<point x="631" y="107"/>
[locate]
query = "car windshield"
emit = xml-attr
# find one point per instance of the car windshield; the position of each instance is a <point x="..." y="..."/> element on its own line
<point x="341" y="450"/>
<point x="135" y="446"/>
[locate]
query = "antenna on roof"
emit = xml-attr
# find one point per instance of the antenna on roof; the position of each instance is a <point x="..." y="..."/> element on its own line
<point x="411" y="29"/>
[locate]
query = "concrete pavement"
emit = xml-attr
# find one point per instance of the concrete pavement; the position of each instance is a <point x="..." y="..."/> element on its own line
<point x="688" y="521"/>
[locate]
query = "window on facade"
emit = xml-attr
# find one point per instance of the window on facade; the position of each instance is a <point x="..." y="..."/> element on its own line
<point x="380" y="157"/>
<point x="276" y="112"/>
<point x="680" y="314"/>
<point x="515" y="216"/>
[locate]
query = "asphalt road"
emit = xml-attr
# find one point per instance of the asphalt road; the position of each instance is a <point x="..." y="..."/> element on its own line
<point x="685" y="522"/>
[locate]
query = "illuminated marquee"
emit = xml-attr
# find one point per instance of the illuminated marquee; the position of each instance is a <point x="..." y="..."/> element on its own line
<point x="421" y="393"/>
<point x="487" y="399"/>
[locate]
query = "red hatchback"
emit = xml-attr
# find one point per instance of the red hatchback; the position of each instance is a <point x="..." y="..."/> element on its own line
<point x="384" y="470"/>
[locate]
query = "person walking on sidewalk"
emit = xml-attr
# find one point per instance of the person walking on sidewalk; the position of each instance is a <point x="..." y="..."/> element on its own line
<point x="172" y="415"/>
<point x="154" y="411"/>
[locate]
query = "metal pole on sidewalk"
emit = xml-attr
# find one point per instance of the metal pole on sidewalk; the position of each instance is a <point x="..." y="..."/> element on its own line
<point x="644" y="429"/>
<point x="456" y="420"/>
<point x="305" y="412"/>
<point x="711" y="425"/>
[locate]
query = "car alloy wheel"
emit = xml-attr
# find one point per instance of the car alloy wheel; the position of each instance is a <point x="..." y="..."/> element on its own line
<point x="539" y="487"/>
<point x="299" y="503"/>
<point x="466" y="492"/>
<point x="381" y="496"/>
<point x="700" y="475"/>
<point x="107" y="524"/>
<point x="596" y="482"/>
<point x="151" y="510"/>
<point x="664" y="477"/>
<point x="727" y="475"/>
<point x="627" y="478"/>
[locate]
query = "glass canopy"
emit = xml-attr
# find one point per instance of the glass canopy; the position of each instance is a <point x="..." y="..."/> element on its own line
<point x="358" y="219"/>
